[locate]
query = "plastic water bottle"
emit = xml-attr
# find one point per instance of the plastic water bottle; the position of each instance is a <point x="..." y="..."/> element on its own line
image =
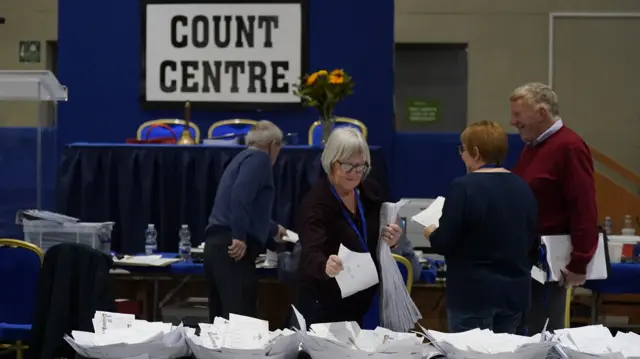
<point x="628" y="229"/>
<point x="184" y="246"/>
<point x="608" y="225"/>
<point x="150" y="240"/>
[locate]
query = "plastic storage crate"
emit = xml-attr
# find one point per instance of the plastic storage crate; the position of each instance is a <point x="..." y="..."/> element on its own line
<point x="46" y="234"/>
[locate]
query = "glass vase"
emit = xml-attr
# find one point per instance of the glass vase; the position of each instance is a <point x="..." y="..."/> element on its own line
<point x="328" y="124"/>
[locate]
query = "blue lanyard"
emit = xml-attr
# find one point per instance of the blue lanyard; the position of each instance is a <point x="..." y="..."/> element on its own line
<point x="362" y="236"/>
<point x="489" y="165"/>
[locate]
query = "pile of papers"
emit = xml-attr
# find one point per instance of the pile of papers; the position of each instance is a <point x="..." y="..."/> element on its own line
<point x="154" y="260"/>
<point x="586" y="342"/>
<point x="242" y="337"/>
<point x="347" y="340"/>
<point x="398" y="312"/>
<point x="121" y="336"/>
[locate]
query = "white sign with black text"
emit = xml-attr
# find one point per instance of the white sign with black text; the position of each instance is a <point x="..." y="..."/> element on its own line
<point x="238" y="53"/>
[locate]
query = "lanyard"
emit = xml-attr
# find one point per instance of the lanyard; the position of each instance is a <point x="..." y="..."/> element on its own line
<point x="489" y="165"/>
<point x="362" y="236"/>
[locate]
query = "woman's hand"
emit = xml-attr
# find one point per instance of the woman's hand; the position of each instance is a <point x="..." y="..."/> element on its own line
<point x="391" y="234"/>
<point x="429" y="230"/>
<point x="334" y="266"/>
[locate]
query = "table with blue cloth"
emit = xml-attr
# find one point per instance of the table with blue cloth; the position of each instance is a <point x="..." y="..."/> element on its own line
<point x="623" y="279"/>
<point x="171" y="185"/>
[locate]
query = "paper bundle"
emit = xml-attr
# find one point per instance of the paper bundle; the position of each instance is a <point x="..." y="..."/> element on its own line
<point x="397" y="310"/>
<point x="347" y="340"/>
<point x="121" y="336"/>
<point x="242" y="337"/>
<point x="587" y="342"/>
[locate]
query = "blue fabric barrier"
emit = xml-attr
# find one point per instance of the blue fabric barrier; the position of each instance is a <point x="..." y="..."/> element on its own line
<point x="18" y="182"/>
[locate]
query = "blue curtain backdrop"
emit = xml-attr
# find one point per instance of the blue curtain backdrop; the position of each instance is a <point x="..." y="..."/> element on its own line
<point x="99" y="57"/>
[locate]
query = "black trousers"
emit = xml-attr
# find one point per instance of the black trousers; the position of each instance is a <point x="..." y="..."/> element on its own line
<point x="233" y="285"/>
<point x="547" y="301"/>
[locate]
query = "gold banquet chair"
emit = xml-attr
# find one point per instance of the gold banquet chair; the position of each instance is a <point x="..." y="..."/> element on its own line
<point x="232" y="128"/>
<point x="20" y="264"/>
<point x="175" y="124"/>
<point x="315" y="131"/>
<point x="567" y="308"/>
<point x="406" y="269"/>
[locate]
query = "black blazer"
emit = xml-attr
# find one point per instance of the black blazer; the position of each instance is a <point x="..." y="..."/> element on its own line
<point x="322" y="228"/>
<point x="73" y="284"/>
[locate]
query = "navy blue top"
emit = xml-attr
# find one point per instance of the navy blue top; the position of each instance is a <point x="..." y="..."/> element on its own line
<point x="487" y="233"/>
<point x="244" y="199"/>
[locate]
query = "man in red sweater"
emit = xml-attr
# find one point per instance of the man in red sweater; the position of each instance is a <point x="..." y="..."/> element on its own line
<point x="557" y="164"/>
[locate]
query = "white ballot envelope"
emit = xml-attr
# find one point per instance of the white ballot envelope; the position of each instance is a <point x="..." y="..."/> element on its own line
<point x="431" y="215"/>
<point x="359" y="272"/>
<point x="559" y="254"/>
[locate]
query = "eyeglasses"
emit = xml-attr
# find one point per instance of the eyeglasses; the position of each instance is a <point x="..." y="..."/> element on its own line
<point x="348" y="167"/>
<point x="461" y="149"/>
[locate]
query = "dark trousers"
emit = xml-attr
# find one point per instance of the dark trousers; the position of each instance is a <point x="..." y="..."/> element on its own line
<point x="497" y="320"/>
<point x="547" y="301"/>
<point x="233" y="285"/>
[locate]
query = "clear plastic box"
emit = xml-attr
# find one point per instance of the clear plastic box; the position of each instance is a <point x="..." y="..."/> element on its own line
<point x="46" y="234"/>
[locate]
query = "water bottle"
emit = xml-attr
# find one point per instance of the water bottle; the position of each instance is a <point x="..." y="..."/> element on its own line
<point x="150" y="240"/>
<point x="608" y="225"/>
<point x="628" y="229"/>
<point x="184" y="246"/>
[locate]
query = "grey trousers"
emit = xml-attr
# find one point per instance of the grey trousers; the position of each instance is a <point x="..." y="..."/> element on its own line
<point x="547" y="301"/>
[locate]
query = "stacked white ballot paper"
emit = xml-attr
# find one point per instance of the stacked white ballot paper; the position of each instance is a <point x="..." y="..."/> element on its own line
<point x="431" y="215"/>
<point x="596" y="341"/>
<point x="347" y="340"/>
<point x="558" y="250"/>
<point x="398" y="312"/>
<point x="145" y="261"/>
<point x="121" y="336"/>
<point x="588" y="342"/>
<point x="358" y="272"/>
<point x="242" y="337"/>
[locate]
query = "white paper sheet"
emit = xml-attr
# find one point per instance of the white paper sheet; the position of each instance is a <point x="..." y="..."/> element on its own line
<point x="148" y="261"/>
<point x="359" y="272"/>
<point x="559" y="254"/>
<point x="431" y="215"/>
<point x="291" y="237"/>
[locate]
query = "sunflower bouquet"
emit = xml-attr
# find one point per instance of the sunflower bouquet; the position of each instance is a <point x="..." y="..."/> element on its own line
<point x="322" y="90"/>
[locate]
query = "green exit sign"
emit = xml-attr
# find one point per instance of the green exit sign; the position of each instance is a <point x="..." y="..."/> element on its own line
<point x="423" y="111"/>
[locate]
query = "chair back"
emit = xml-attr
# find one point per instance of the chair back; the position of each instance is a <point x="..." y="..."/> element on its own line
<point x="406" y="269"/>
<point x="20" y="264"/>
<point x="315" y="131"/>
<point x="150" y="129"/>
<point x="236" y="126"/>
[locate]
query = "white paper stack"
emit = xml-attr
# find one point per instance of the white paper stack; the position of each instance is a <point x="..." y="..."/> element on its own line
<point x="347" y="340"/>
<point x="398" y="312"/>
<point x="479" y="344"/>
<point x="242" y="337"/>
<point x="596" y="341"/>
<point x="121" y="336"/>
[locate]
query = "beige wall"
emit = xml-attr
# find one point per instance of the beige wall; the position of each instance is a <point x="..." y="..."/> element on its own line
<point x="26" y="20"/>
<point x="596" y="60"/>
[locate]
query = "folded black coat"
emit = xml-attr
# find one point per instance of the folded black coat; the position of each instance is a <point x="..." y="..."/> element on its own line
<point x="73" y="284"/>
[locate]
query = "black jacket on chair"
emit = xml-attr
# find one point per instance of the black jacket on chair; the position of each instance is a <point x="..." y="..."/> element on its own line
<point x="74" y="283"/>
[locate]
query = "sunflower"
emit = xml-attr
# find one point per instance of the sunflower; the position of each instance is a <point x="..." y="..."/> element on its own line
<point x="336" y="77"/>
<point x="314" y="77"/>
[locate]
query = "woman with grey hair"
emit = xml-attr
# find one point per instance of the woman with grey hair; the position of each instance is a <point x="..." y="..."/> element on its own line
<point x="343" y="208"/>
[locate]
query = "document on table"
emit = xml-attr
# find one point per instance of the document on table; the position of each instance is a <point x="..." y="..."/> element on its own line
<point x="431" y="215"/>
<point x="359" y="272"/>
<point x="145" y="261"/>
<point x="559" y="254"/>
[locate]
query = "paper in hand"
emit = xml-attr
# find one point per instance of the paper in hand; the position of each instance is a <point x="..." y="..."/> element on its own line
<point x="398" y="311"/>
<point x="358" y="273"/>
<point x="431" y="215"/>
<point x="291" y="237"/>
